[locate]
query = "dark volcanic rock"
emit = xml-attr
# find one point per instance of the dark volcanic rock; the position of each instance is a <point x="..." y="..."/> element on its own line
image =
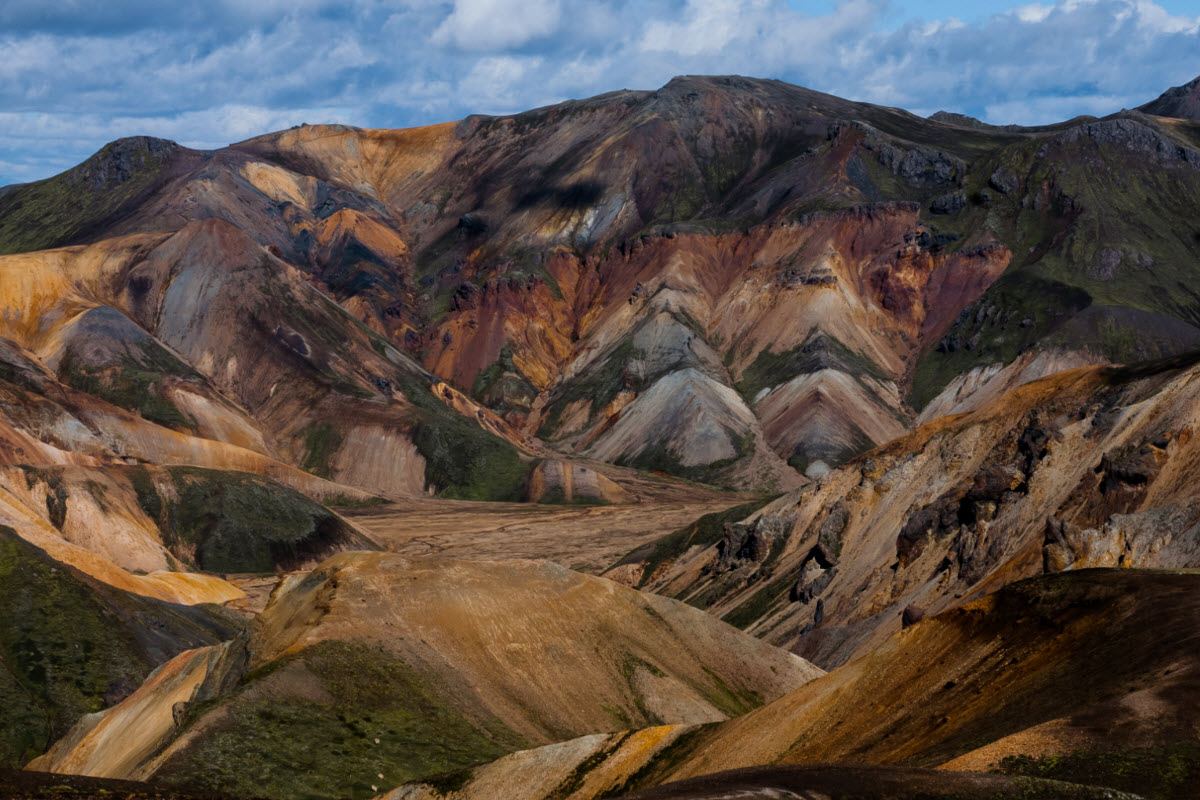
<point x="1181" y="102"/>
<point x="119" y="161"/>
<point x="948" y="203"/>
<point x="911" y="616"/>
<point x="1002" y="181"/>
<point x="1136" y="136"/>
<point x="751" y="543"/>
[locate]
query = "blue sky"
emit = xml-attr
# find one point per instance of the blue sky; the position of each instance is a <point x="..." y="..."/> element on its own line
<point x="75" y="74"/>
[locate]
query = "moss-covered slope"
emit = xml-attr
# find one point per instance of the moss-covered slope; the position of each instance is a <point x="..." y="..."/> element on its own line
<point x="71" y="646"/>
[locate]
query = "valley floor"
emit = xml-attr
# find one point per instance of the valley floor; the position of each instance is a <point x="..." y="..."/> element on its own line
<point x="585" y="538"/>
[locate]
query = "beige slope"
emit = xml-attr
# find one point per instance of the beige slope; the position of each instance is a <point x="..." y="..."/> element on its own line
<point x="590" y="766"/>
<point x="541" y="648"/>
<point x="175" y="587"/>
<point x="114" y="742"/>
<point x="205" y="294"/>
<point x="521" y="652"/>
<point x="1102" y="661"/>
<point x="981" y="385"/>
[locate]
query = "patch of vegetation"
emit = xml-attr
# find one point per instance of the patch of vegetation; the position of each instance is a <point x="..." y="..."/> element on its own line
<point x="238" y="522"/>
<point x="462" y="460"/>
<point x="663" y="761"/>
<point x="69" y="646"/>
<point x="350" y="501"/>
<point x="1026" y="307"/>
<point x="725" y="169"/>
<point x="501" y="387"/>
<point x="147" y="493"/>
<point x="321" y="443"/>
<point x="600" y="384"/>
<point x="707" y="530"/>
<point x="733" y="702"/>
<point x="488" y="376"/>
<point x="820" y="352"/>
<point x="557" y="496"/>
<point x="1168" y="772"/>
<point x="133" y="383"/>
<point x="466" y="465"/>
<point x="761" y="602"/>
<point x="373" y="715"/>
<point x="1091" y="222"/>
<point x="619" y="717"/>
<point x="577" y="776"/>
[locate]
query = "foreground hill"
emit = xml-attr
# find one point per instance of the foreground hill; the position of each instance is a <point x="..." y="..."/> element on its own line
<point x="718" y="279"/>
<point x="375" y="664"/>
<point x="1089" y="677"/>
<point x="870" y="783"/>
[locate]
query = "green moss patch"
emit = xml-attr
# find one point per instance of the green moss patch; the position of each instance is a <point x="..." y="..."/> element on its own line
<point x="133" y="382"/>
<point x="237" y="522"/>
<point x="1168" y="772"/>
<point x="321" y="443"/>
<point x="66" y="208"/>
<point x="462" y="460"/>
<point x="819" y="352"/>
<point x="600" y="383"/>
<point x="466" y="465"/>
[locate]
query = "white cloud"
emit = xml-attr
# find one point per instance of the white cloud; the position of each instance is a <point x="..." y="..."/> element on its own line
<point x="708" y="27"/>
<point x="494" y="84"/>
<point x="1033" y="13"/>
<point x="497" y="24"/>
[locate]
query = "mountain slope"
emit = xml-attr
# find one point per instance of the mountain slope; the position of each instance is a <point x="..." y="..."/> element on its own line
<point x="1089" y="651"/>
<point x="70" y="645"/>
<point x="378" y="664"/>
<point x="559" y="265"/>
<point x="1180" y="102"/>
<point x="1083" y="468"/>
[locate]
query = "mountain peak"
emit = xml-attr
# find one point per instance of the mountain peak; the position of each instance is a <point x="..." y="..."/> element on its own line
<point x="122" y="159"/>
<point x="961" y="120"/>
<point x="1181" y="102"/>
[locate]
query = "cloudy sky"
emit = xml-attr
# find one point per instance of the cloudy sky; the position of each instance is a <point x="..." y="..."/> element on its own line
<point x="75" y="74"/>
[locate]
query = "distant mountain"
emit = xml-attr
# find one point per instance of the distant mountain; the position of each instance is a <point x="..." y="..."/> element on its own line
<point x="1181" y="102"/>
<point x="730" y="280"/>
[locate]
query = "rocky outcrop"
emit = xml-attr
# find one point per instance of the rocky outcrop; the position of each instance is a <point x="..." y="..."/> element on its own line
<point x="1135" y="136"/>
<point x="557" y="481"/>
